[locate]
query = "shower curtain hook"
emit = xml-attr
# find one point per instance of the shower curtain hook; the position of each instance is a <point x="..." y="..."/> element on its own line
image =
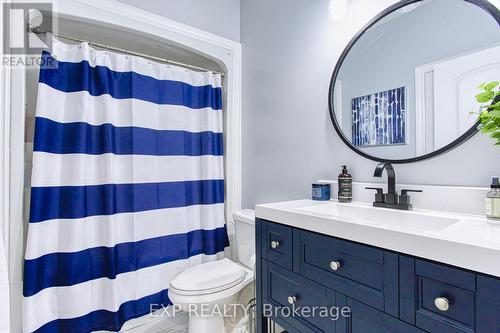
<point x="149" y="59"/>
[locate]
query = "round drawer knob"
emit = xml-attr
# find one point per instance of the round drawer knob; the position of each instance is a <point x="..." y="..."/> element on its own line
<point x="442" y="303"/>
<point x="275" y="244"/>
<point x="292" y="299"/>
<point x="335" y="265"/>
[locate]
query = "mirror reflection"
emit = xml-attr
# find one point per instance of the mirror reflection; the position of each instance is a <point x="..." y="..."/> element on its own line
<point x="406" y="88"/>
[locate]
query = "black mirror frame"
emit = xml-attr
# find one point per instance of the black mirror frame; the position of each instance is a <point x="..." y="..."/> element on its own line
<point x="484" y="4"/>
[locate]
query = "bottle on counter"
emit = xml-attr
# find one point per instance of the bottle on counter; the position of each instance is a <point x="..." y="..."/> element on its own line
<point x="345" y="185"/>
<point x="493" y="200"/>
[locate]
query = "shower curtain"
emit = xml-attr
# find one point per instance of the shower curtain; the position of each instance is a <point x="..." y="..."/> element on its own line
<point x="127" y="187"/>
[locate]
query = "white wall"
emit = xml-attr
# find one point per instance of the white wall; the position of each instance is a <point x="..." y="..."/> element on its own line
<point x="289" y="51"/>
<point x="221" y="17"/>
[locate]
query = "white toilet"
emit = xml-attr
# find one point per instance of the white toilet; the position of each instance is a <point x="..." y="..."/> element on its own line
<point x="207" y="288"/>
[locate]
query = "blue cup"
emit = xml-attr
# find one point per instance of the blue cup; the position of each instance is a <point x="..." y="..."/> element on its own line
<point x="321" y="192"/>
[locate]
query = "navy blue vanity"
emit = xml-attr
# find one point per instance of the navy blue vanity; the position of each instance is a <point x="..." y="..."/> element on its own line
<point x="392" y="268"/>
<point x="384" y="291"/>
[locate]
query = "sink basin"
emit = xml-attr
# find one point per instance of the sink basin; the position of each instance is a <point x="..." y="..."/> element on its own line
<point x="383" y="217"/>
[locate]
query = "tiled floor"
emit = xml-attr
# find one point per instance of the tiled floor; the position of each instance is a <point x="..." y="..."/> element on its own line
<point x="182" y="328"/>
<point x="174" y="324"/>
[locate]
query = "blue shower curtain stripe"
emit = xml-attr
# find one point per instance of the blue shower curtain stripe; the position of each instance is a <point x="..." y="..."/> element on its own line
<point x="75" y="138"/>
<point x="72" y="202"/>
<point x="100" y="80"/>
<point x="106" y="320"/>
<point x="113" y="216"/>
<point x="58" y="269"/>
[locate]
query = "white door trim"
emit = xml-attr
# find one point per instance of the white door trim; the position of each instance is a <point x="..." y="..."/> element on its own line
<point x="421" y="95"/>
<point x="4" y="143"/>
<point x="5" y="89"/>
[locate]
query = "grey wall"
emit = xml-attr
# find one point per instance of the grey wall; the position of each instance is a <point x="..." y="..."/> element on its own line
<point x="403" y="43"/>
<point x="221" y="17"/>
<point x="289" y="51"/>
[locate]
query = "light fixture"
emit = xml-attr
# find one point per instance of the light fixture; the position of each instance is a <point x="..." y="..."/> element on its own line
<point x="337" y="10"/>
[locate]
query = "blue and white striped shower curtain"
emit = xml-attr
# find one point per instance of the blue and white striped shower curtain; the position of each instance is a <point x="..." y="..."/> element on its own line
<point x="127" y="187"/>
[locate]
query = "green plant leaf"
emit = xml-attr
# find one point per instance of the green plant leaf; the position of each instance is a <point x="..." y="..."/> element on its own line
<point x="489" y="127"/>
<point x="490" y="86"/>
<point x="485" y="96"/>
<point x="489" y="115"/>
<point x="495" y="135"/>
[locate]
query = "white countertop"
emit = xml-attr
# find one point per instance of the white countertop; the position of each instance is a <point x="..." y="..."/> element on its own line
<point x="470" y="242"/>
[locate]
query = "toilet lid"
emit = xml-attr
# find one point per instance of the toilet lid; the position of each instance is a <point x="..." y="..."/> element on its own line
<point x="208" y="278"/>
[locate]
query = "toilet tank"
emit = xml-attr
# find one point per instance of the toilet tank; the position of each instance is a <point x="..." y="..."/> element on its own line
<point x="245" y="236"/>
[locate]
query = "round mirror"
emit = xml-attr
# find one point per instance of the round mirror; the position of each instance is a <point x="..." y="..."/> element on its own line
<point x="404" y="88"/>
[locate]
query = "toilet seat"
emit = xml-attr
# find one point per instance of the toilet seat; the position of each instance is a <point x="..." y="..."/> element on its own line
<point x="208" y="278"/>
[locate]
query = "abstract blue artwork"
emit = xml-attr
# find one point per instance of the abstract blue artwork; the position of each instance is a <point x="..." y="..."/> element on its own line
<point x="379" y="119"/>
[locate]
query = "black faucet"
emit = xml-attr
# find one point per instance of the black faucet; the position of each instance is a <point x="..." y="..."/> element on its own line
<point x="391" y="199"/>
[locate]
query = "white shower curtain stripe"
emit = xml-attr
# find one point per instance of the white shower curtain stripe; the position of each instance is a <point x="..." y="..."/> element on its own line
<point x="124" y="63"/>
<point x="103" y="294"/>
<point x="81" y="169"/>
<point x="73" y="235"/>
<point x="127" y="187"/>
<point x="80" y="106"/>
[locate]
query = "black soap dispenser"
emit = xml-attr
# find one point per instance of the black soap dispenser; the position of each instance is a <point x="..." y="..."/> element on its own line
<point x="345" y="185"/>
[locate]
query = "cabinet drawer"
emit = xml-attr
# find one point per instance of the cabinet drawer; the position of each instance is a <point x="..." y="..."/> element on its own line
<point x="441" y="299"/>
<point x="367" y="274"/>
<point x="281" y="284"/>
<point x="277" y="245"/>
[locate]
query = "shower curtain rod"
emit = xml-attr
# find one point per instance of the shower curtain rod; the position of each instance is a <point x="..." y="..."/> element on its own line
<point x="117" y="49"/>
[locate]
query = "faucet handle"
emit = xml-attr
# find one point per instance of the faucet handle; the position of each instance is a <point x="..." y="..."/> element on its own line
<point x="378" y="189"/>
<point x="404" y="198"/>
<point x="406" y="191"/>
<point x="379" y="196"/>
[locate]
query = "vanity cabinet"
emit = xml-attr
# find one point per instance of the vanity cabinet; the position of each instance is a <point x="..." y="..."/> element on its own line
<point x="379" y="290"/>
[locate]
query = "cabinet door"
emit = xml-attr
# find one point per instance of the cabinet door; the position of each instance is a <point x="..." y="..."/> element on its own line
<point x="436" y="297"/>
<point x="365" y="319"/>
<point x="290" y="300"/>
<point x="277" y="246"/>
<point x="488" y="305"/>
